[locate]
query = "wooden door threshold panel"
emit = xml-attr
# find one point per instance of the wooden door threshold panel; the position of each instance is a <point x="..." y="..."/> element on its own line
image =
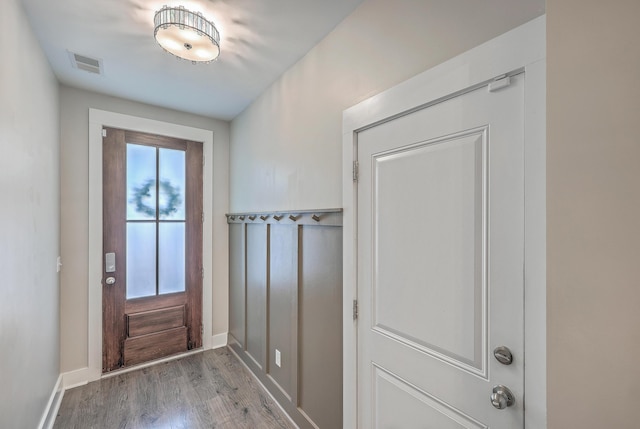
<point x="151" y="363"/>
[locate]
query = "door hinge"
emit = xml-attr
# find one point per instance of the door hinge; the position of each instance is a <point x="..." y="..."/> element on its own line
<point x="355" y="309"/>
<point x="104" y="132"/>
<point x="202" y="272"/>
<point x="203" y="160"/>
<point x="202" y="217"/>
<point x="356" y="170"/>
<point x="202" y="330"/>
<point x="499" y="83"/>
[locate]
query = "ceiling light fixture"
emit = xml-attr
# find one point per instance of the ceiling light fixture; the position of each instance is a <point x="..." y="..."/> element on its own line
<point x="187" y="35"/>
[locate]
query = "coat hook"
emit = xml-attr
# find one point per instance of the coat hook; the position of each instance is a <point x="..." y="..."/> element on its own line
<point x="252" y="217"/>
<point x="293" y="218"/>
<point x="241" y="218"/>
<point x="316" y="218"/>
<point x="232" y="217"/>
<point x="276" y="217"/>
<point x="264" y="217"/>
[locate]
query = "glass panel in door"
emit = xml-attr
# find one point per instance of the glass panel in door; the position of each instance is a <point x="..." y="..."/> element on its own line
<point x="156" y="222"/>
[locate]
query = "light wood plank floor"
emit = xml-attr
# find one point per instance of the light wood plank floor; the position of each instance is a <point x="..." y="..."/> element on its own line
<point x="205" y="390"/>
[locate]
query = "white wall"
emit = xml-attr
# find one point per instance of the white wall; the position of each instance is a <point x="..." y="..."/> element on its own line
<point x="593" y="213"/>
<point x="29" y="223"/>
<point x="74" y="123"/>
<point x="286" y="147"/>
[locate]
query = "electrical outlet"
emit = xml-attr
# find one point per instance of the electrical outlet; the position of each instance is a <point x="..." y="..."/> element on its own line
<point x="278" y="357"/>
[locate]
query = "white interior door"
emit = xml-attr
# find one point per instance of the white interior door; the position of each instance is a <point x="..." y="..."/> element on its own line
<point x="440" y="264"/>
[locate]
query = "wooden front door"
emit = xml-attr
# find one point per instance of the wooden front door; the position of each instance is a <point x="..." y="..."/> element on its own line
<point x="440" y="265"/>
<point x="152" y="245"/>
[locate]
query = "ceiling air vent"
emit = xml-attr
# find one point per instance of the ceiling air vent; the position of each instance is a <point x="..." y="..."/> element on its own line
<point x="88" y="64"/>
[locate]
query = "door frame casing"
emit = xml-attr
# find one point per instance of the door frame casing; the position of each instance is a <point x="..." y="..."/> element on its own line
<point x="523" y="48"/>
<point x="97" y="120"/>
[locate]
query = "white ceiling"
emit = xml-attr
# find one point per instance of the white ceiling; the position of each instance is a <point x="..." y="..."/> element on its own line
<point x="260" y="39"/>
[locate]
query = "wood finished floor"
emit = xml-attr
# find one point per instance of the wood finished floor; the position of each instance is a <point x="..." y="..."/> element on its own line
<point x="205" y="390"/>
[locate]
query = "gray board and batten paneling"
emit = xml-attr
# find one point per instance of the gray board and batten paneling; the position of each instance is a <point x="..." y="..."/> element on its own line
<point x="256" y="295"/>
<point x="285" y="279"/>
<point x="237" y="275"/>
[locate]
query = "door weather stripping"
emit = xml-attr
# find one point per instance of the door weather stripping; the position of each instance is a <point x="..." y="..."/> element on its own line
<point x="356" y="168"/>
<point x="499" y="83"/>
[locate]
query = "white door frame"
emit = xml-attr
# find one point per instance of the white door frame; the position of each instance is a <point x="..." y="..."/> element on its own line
<point x="523" y="48"/>
<point x="98" y="119"/>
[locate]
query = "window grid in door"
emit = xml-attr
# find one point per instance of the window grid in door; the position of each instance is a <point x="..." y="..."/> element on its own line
<point x="155" y="220"/>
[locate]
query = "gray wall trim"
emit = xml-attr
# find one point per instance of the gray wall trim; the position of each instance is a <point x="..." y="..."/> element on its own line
<point x="286" y="294"/>
<point x="237" y="284"/>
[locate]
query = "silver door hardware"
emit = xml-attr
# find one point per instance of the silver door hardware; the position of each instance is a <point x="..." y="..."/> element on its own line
<point x="110" y="280"/>
<point x="110" y="263"/>
<point x="503" y="355"/>
<point x="502" y="397"/>
<point x="499" y="83"/>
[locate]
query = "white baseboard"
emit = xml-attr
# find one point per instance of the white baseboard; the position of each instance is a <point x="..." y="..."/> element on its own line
<point x="219" y="340"/>
<point x="75" y="378"/>
<point x="51" y="410"/>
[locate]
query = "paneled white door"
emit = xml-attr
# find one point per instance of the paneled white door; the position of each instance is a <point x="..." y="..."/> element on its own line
<point x="440" y="264"/>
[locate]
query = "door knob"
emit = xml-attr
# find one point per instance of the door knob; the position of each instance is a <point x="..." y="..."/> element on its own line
<point x="110" y="280"/>
<point x="502" y="397"/>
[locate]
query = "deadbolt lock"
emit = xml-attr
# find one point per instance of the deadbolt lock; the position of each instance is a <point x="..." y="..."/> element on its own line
<point x="503" y="355"/>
